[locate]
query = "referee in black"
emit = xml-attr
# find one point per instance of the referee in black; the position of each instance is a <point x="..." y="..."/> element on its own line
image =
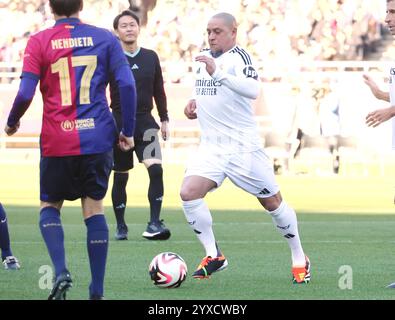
<point x="147" y="72"/>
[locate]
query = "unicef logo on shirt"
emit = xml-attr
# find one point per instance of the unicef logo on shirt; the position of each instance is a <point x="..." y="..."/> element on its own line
<point x="67" y="125"/>
<point x="250" y="72"/>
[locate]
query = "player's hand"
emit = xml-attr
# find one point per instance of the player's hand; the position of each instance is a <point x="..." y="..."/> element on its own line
<point x="125" y="143"/>
<point x="11" y="130"/>
<point x="372" y="85"/>
<point x="190" y="110"/>
<point x="164" y="129"/>
<point x="209" y="62"/>
<point x="373" y="119"/>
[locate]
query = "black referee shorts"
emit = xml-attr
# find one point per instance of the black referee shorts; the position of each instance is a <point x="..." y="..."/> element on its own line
<point x="146" y="142"/>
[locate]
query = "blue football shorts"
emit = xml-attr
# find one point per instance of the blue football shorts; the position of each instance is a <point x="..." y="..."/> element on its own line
<point x="74" y="177"/>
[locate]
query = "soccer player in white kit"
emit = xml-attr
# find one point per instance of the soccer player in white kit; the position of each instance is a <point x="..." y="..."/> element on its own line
<point x="373" y="119"/>
<point x="226" y="84"/>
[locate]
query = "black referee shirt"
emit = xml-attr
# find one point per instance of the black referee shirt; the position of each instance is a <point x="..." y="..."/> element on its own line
<point x="147" y="72"/>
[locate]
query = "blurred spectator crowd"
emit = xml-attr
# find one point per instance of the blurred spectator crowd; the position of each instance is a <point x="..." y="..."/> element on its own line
<point x="273" y="31"/>
<point x="21" y="18"/>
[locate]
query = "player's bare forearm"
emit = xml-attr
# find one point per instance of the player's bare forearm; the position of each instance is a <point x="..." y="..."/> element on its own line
<point x="385" y="96"/>
<point x="379" y="94"/>
<point x="375" y="118"/>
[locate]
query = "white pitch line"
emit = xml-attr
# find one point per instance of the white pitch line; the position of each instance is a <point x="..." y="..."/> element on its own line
<point x="131" y="225"/>
<point x="143" y="242"/>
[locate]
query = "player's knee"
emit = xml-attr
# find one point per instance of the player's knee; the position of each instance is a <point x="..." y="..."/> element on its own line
<point x="271" y="203"/>
<point x="185" y="195"/>
<point x="91" y="207"/>
<point x="188" y="193"/>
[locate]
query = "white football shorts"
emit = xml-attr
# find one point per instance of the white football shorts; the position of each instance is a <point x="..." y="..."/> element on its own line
<point x="250" y="171"/>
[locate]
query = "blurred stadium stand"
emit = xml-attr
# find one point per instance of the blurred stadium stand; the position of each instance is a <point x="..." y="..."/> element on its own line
<point x="275" y="110"/>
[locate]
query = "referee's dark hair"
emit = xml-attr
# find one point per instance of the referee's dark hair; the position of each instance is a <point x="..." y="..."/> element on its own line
<point x="123" y="14"/>
<point x="65" y="7"/>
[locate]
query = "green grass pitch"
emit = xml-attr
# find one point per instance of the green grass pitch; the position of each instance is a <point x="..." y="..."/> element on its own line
<point x="343" y="221"/>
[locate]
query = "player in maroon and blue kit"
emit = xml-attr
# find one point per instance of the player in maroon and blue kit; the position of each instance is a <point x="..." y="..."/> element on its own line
<point x="73" y="61"/>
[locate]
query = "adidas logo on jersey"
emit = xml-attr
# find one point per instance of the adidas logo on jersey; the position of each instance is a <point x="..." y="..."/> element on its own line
<point x="135" y="66"/>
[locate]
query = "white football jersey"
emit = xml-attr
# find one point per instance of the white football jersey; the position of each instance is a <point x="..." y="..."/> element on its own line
<point x="224" y="103"/>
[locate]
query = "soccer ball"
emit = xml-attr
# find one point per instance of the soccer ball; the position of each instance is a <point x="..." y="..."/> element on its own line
<point x="168" y="270"/>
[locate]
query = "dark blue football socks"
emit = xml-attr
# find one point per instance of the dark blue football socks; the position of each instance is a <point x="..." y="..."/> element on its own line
<point x="4" y="235"/>
<point x="52" y="232"/>
<point x="97" y="242"/>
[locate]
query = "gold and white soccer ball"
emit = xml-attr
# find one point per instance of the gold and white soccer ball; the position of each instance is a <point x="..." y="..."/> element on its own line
<point x="168" y="270"/>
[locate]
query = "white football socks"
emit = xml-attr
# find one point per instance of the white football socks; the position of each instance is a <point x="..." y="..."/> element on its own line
<point x="199" y="218"/>
<point x="284" y="218"/>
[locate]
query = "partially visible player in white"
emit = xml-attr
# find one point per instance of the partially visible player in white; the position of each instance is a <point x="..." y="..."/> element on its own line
<point x="373" y="119"/>
<point x="226" y="84"/>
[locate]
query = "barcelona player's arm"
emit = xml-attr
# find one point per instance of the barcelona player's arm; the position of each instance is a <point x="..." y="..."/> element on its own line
<point x="128" y="97"/>
<point x="29" y="80"/>
<point x="127" y="93"/>
<point x="21" y="103"/>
